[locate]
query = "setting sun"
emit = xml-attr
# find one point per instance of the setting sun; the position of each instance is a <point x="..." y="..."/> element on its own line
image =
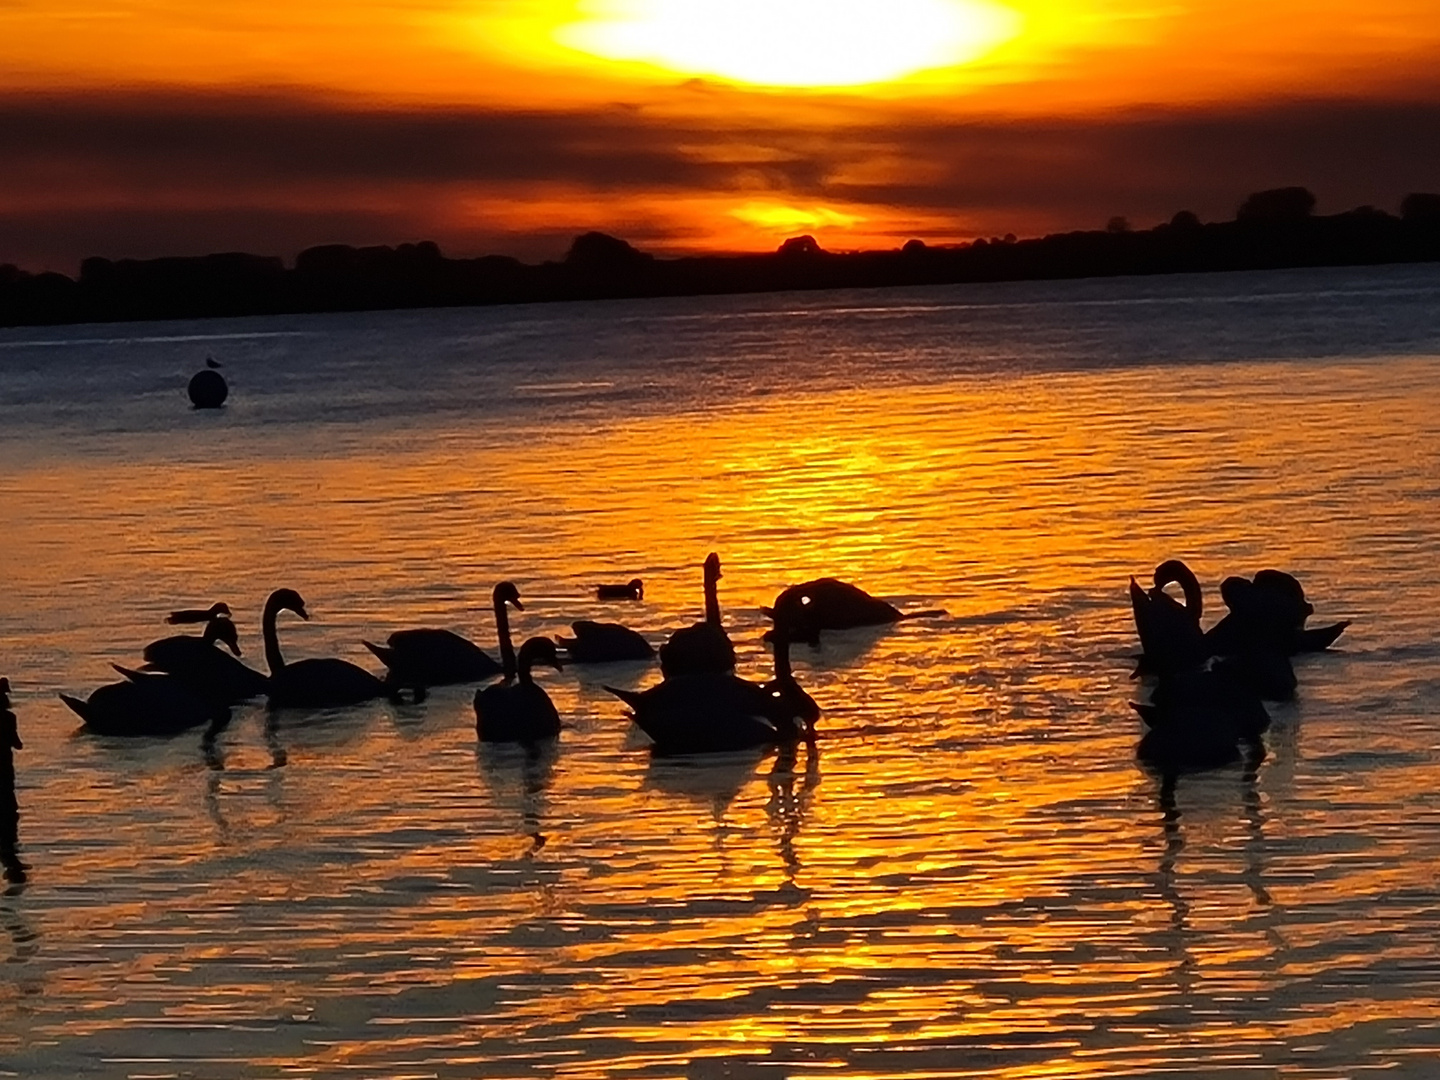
<point x="822" y="43"/>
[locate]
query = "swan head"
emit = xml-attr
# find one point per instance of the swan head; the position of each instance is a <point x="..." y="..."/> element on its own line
<point x="1172" y="570"/>
<point x="712" y="567"/>
<point x="1237" y="592"/>
<point x="222" y="630"/>
<point x="507" y="593"/>
<point x="638" y="588"/>
<point x="539" y="650"/>
<point x="288" y="600"/>
<point x="1287" y="590"/>
<point x="219" y="609"/>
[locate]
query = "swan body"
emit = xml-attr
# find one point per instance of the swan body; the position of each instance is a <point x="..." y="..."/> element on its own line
<point x="1199" y="719"/>
<point x="198" y="615"/>
<point x="311" y="683"/>
<point x="1268" y="614"/>
<point x="634" y="589"/>
<point x="713" y="712"/>
<point x="145" y="704"/>
<point x="603" y="643"/>
<point x="1170" y="636"/>
<point x="709" y="712"/>
<point x="425" y="657"/>
<point x="703" y="647"/>
<point x="208" y="672"/>
<point x="831" y="604"/>
<point x="521" y="711"/>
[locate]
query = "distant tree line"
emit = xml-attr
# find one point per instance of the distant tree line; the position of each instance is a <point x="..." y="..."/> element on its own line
<point x="1272" y="229"/>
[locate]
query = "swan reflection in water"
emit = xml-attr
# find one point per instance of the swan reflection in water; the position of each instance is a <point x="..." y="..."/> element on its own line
<point x="519" y="776"/>
<point x="787" y="806"/>
<point x="1177" y="938"/>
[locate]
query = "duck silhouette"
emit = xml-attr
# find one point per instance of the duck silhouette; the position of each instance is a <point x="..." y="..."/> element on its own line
<point x="604" y="643"/>
<point x="198" y="615"/>
<point x="317" y="683"/>
<point x="425" y="657"/>
<point x="203" y="667"/>
<point x="716" y="712"/>
<point x="145" y="705"/>
<point x="520" y="711"/>
<point x="831" y="604"/>
<point x="704" y="646"/>
<point x="633" y="590"/>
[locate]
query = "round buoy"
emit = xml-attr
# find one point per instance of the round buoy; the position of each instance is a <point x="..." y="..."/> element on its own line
<point x="208" y="389"/>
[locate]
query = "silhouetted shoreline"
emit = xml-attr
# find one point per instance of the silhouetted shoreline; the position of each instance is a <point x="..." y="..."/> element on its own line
<point x="1272" y="230"/>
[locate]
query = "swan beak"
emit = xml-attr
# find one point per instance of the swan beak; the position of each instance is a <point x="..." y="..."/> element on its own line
<point x="518" y="605"/>
<point x="234" y="648"/>
<point x="303" y="613"/>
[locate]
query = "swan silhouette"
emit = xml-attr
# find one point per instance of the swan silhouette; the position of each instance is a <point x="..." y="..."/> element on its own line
<point x="421" y="658"/>
<point x="144" y="704"/>
<point x="714" y="712"/>
<point x="1170" y="636"/>
<point x="198" y="615"/>
<point x="311" y="683"/>
<point x="1269" y="613"/>
<point x="520" y="711"/>
<point x="831" y="604"/>
<point x="791" y="698"/>
<point x="703" y="647"/>
<point x="1198" y="719"/>
<point x="205" y="669"/>
<point x="634" y="590"/>
<point x="604" y="643"/>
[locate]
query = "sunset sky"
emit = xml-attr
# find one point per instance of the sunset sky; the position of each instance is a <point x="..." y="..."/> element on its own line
<point x="149" y="127"/>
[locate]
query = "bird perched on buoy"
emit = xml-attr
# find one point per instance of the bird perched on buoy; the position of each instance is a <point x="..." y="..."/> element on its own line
<point x="208" y="389"/>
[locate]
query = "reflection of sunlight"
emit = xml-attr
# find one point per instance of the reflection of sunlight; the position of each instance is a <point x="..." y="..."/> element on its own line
<point x="792" y="42"/>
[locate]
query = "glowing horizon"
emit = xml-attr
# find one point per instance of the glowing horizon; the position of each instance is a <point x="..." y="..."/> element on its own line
<point x="687" y="125"/>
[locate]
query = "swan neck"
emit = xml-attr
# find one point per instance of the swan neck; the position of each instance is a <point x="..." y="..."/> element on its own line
<point x="712" y="602"/>
<point x="273" y="660"/>
<point x="507" y="650"/>
<point x="1183" y="576"/>
<point x="782" y="655"/>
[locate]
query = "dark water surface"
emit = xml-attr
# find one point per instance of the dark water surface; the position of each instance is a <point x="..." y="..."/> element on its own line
<point x="969" y="876"/>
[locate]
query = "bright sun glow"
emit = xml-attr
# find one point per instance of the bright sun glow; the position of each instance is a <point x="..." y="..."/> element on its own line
<point x="792" y="42"/>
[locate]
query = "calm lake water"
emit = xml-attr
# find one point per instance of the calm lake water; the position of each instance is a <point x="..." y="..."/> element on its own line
<point x="970" y="875"/>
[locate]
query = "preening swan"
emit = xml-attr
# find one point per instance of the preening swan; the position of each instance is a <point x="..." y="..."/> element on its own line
<point x="831" y="604"/>
<point x="422" y="658"/>
<point x="520" y="711"/>
<point x="311" y="683"/>
<point x="1170" y="635"/>
<point x="203" y="668"/>
<point x="703" y="647"/>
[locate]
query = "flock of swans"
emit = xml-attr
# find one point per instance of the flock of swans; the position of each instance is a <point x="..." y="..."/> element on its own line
<point x="700" y="705"/>
<point x="1206" y="700"/>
